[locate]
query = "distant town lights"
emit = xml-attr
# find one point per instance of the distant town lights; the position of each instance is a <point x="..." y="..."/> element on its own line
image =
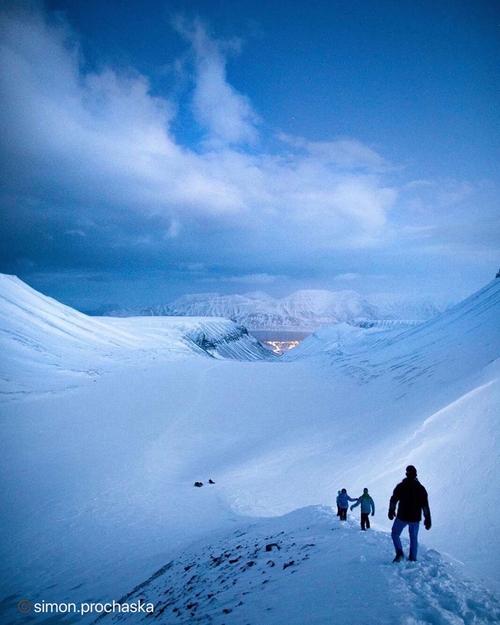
<point x="280" y="347"/>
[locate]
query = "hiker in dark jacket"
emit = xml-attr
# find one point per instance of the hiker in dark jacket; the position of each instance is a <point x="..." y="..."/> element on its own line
<point x="343" y="500"/>
<point x="367" y="505"/>
<point x="411" y="498"/>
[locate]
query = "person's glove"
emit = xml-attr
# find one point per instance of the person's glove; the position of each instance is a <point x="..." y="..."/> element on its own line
<point x="427" y="524"/>
<point x="391" y="515"/>
<point x="373" y="513"/>
<point x="352" y="508"/>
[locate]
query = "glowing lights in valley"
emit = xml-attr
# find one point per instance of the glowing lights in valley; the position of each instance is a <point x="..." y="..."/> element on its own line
<point x="280" y="347"/>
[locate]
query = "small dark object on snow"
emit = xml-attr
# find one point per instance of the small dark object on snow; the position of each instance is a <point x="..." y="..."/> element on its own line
<point x="217" y="560"/>
<point x="287" y="564"/>
<point x="270" y="546"/>
<point x="210" y="481"/>
<point x="198" y="484"/>
<point x="227" y="610"/>
<point x="271" y="563"/>
<point x="235" y="560"/>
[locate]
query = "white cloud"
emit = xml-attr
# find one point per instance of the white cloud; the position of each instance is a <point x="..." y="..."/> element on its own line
<point x="226" y="114"/>
<point x="251" y="278"/>
<point x="90" y="142"/>
<point x="348" y="277"/>
<point x="173" y="230"/>
<point x="348" y="153"/>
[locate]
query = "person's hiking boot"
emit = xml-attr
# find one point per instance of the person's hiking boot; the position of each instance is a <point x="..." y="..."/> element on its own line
<point x="412" y="559"/>
<point x="399" y="556"/>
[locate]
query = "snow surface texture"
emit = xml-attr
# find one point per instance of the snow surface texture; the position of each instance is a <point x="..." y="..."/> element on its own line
<point x="304" y="310"/>
<point x="106" y="424"/>
<point x="308" y="567"/>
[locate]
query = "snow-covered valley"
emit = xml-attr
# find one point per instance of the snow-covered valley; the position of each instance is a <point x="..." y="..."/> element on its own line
<point x="107" y="423"/>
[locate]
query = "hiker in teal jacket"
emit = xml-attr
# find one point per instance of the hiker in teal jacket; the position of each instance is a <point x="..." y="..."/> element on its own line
<point x="367" y="505"/>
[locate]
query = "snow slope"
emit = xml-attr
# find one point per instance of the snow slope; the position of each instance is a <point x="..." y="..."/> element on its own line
<point x="97" y="474"/>
<point x="302" y="310"/>
<point x="307" y="567"/>
<point x="447" y="368"/>
<point x="40" y="337"/>
<point x="460" y="341"/>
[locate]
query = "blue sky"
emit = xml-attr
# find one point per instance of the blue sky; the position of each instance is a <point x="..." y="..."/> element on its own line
<point x="158" y="148"/>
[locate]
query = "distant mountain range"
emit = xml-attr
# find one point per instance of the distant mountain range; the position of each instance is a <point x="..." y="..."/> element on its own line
<point x="304" y="310"/>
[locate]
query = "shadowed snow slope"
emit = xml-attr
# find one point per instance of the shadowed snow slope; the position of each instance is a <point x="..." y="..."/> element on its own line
<point x="97" y="472"/>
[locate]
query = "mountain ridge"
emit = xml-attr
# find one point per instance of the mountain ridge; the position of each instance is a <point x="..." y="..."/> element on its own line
<point x="305" y="309"/>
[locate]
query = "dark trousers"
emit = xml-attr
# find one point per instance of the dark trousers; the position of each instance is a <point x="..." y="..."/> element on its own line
<point x="365" y="520"/>
<point x="343" y="514"/>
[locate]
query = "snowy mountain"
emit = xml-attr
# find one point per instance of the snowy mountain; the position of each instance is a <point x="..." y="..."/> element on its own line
<point x="303" y="310"/>
<point x="40" y="335"/>
<point x="107" y="423"/>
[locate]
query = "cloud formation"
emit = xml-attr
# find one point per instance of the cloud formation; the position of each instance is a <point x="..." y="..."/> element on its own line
<point x="95" y="176"/>
<point x="103" y="139"/>
<point x="226" y="115"/>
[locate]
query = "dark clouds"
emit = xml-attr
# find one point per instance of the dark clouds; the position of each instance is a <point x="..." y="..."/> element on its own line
<point x="94" y="178"/>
